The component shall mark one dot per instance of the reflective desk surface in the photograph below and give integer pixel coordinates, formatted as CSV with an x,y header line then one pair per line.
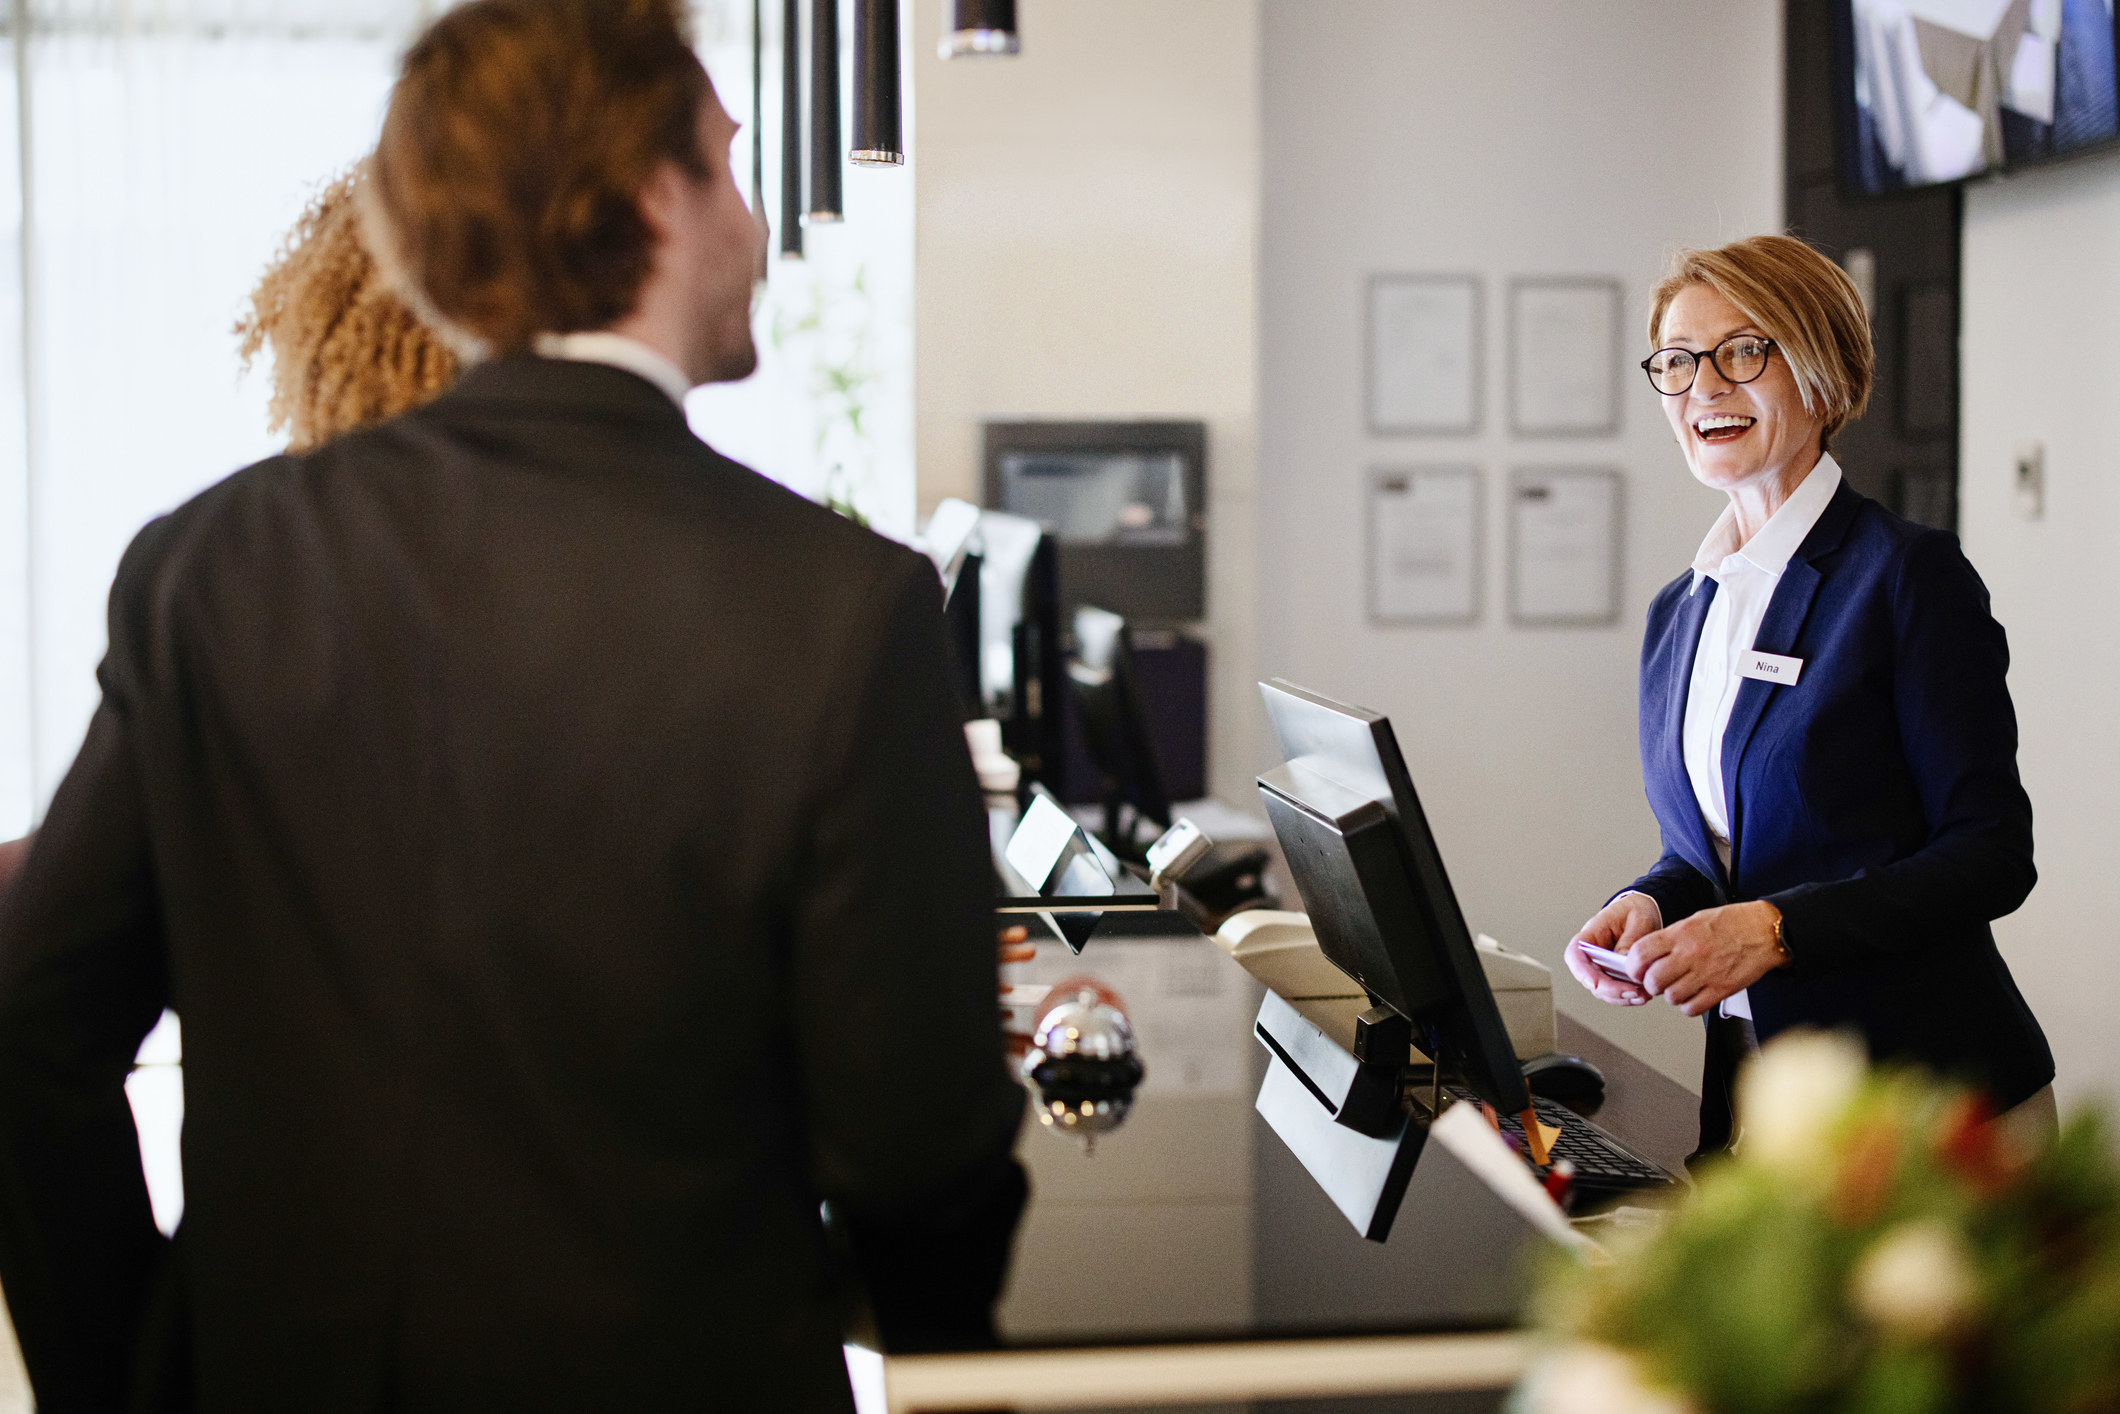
x,y
1193,1232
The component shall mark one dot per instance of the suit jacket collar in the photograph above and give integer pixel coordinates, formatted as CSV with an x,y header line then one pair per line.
x,y
1778,541
1832,527
524,382
619,351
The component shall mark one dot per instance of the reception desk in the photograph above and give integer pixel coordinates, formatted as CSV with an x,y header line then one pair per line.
x,y
1188,1260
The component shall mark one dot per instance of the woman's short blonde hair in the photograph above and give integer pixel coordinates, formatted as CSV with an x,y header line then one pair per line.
x,y
346,351
1802,301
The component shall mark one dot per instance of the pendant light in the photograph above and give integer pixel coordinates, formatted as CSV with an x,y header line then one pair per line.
x,y
825,204
879,139
791,130
974,27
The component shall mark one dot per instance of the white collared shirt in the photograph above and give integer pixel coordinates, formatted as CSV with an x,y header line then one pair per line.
x,y
619,351
1745,577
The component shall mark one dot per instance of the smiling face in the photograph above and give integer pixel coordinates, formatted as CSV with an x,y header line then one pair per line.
x,y
1736,435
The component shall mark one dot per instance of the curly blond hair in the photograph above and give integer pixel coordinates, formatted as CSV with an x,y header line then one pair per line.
x,y
346,351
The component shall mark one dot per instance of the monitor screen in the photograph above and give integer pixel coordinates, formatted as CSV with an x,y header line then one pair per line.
x,y
1947,89
1100,498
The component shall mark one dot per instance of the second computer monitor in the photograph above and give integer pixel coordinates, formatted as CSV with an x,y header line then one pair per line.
x,y
1372,879
1114,719
1020,672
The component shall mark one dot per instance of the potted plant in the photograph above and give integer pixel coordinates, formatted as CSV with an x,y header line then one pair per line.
x,y
1878,1243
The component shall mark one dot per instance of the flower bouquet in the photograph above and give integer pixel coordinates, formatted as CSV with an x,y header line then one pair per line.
x,y
1878,1243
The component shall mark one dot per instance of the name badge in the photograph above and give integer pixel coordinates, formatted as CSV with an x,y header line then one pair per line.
x,y
1770,667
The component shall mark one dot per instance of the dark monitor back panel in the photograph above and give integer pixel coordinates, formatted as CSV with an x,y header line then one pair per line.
x,y
1171,671
1127,502
1356,750
1110,709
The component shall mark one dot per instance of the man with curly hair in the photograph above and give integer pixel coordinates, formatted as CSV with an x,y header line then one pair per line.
x,y
557,840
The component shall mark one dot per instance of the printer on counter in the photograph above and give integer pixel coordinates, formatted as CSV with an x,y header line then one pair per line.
x,y
1280,950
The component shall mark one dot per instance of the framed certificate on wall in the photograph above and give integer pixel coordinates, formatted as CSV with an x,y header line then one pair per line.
x,y
1424,545
1564,357
1564,545
1424,354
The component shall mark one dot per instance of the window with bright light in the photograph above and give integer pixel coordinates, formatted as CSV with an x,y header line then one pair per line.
x,y
168,148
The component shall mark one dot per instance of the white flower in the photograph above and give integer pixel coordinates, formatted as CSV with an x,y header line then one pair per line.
x,y
1790,1098
1916,1280
1593,1379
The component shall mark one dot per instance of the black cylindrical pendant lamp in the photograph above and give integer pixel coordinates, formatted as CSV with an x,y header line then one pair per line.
x,y
791,130
879,138
972,27
824,113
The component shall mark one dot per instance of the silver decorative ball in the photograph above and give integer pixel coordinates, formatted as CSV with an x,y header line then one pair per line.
x,y
1084,1065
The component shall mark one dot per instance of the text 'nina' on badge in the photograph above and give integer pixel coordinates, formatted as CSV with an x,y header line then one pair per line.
x,y
1770,667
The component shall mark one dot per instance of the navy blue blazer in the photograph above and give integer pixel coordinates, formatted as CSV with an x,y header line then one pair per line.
x,y
1875,801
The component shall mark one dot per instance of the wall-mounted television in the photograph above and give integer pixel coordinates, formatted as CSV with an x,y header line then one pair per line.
x,y
1936,91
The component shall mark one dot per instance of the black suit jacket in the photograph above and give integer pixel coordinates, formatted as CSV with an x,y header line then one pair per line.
x,y
560,846
1874,801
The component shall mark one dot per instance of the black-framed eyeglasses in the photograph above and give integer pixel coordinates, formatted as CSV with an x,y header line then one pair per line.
x,y
1739,358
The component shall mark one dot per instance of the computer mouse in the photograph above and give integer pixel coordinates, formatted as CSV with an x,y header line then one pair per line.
x,y
1563,1078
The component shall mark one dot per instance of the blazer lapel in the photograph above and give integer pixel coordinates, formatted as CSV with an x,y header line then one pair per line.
x,y
1691,616
1784,620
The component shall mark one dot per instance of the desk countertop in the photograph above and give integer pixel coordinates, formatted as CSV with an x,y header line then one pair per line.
x,y
1193,1222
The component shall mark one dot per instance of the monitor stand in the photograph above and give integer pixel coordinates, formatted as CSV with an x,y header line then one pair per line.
x,y
1342,1115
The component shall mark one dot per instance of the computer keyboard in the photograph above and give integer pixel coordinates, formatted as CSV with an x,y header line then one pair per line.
x,y
1603,1165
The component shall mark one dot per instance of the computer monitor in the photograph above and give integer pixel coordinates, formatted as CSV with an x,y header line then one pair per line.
x,y
950,539
1372,880
1114,719
1019,643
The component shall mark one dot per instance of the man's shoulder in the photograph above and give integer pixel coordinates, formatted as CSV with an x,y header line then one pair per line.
x,y
793,546
816,541
165,542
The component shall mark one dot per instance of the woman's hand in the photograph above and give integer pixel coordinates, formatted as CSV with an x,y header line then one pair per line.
x,y
1700,961
1013,944
1618,925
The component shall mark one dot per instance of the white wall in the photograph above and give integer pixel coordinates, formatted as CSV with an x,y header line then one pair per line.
x,y
1532,137
1087,245
2041,291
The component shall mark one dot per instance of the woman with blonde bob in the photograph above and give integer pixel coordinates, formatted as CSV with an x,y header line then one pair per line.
x,y
1827,739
